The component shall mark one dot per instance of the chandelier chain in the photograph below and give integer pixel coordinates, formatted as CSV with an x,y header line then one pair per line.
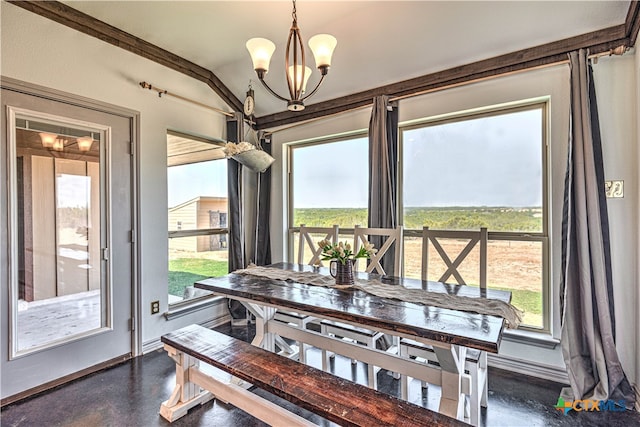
x,y
293,13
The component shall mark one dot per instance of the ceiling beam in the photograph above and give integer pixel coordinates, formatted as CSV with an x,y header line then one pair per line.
x,y
65,15
632,23
550,53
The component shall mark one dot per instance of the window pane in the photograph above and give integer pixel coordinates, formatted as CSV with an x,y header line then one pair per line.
x,y
481,172
197,199
516,266
187,265
412,253
330,183
198,195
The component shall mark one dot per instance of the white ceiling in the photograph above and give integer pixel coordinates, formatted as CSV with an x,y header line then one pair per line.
x,y
379,42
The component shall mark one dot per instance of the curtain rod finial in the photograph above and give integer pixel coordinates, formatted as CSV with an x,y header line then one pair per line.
x,y
618,50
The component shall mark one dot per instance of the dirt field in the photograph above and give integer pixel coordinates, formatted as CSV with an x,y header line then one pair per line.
x,y
519,267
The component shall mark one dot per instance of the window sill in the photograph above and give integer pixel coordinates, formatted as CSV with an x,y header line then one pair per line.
x,y
538,339
188,307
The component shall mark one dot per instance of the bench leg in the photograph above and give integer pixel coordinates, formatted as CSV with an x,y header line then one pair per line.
x,y
186,394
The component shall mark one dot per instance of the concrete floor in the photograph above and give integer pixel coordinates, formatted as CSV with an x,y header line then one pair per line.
x,y
129,395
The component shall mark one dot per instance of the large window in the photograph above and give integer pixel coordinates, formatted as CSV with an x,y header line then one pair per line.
x,y
329,184
483,170
197,196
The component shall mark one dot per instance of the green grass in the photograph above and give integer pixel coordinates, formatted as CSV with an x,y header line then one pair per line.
x,y
327,217
528,301
185,272
449,218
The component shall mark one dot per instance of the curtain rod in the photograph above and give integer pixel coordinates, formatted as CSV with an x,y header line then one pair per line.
x,y
615,51
161,92
620,50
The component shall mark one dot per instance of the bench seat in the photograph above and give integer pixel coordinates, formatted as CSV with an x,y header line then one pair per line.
x,y
331,397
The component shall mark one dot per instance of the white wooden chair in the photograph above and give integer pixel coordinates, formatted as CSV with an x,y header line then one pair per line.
x,y
475,365
476,360
306,240
434,237
391,237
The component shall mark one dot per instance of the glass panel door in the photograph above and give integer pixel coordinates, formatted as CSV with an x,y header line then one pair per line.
x,y
59,186
67,178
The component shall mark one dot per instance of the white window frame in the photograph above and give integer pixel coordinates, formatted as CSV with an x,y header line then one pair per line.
x,y
183,307
294,229
543,236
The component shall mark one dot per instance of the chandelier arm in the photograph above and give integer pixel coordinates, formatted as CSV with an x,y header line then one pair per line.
x,y
314,89
271,90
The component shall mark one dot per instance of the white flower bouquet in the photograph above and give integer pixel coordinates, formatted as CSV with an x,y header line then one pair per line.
x,y
342,251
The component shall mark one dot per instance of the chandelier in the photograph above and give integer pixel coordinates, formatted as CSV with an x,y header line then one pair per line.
x,y
322,46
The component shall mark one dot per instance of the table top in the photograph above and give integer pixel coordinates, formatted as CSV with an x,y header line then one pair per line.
x,y
358,307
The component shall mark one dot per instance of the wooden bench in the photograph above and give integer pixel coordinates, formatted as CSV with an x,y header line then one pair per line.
x,y
475,365
331,397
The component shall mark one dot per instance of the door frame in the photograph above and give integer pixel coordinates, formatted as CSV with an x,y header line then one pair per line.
x,y
133,116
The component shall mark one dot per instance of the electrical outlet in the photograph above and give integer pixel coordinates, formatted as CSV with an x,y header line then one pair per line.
x,y
155,307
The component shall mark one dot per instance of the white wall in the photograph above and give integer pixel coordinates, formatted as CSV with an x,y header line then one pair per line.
x,y
637,379
614,78
39,51
615,89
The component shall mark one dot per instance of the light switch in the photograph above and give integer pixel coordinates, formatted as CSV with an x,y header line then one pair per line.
x,y
614,189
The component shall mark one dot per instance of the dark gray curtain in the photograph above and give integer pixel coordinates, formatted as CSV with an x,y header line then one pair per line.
x,y
263,238
383,172
588,322
234,178
235,215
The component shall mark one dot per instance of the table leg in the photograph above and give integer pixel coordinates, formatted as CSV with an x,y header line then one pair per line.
x,y
263,315
451,362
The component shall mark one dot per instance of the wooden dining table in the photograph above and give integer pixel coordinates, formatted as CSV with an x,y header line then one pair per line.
x,y
450,332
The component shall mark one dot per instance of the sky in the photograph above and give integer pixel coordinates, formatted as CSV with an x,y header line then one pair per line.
x,y
331,175
186,182
489,161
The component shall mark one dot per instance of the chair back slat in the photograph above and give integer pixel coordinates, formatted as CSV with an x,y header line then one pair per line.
x,y
305,239
391,236
432,237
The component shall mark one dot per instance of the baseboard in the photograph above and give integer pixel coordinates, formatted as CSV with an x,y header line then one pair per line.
x,y
155,344
533,369
27,394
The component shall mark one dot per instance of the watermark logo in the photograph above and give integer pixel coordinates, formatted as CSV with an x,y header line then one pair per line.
x,y
589,405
